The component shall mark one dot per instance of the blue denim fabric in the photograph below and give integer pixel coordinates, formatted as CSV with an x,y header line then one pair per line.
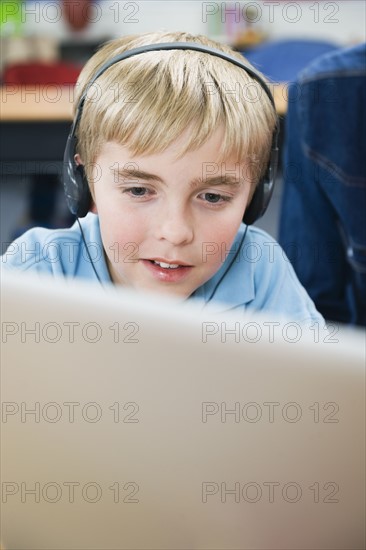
x,y
323,216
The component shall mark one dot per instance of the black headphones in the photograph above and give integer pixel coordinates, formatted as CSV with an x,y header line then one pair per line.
x,y
77,191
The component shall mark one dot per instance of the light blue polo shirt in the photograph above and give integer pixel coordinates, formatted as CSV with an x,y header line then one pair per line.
x,y
255,275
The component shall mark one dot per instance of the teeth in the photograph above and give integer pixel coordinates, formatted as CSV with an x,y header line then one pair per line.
x,y
166,266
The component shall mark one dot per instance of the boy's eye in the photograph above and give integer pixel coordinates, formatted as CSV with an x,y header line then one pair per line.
x,y
214,198
137,191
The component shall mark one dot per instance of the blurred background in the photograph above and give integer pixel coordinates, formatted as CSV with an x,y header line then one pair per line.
x,y
45,43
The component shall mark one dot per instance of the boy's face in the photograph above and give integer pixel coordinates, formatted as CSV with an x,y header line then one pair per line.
x,y
155,210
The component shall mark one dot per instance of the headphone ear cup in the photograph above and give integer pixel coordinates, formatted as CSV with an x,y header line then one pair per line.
x,y
78,196
264,190
85,198
253,211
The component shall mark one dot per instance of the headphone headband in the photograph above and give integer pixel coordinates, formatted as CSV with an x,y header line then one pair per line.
x,y
76,187
172,46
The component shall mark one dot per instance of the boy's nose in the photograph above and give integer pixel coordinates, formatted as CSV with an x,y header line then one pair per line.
x,y
174,226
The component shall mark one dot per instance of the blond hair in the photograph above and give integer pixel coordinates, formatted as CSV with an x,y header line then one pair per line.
x,y
146,102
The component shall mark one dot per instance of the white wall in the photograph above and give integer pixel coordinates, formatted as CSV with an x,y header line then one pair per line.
x,y
116,18
341,21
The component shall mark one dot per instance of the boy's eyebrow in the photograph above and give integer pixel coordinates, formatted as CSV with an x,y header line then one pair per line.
x,y
134,173
223,179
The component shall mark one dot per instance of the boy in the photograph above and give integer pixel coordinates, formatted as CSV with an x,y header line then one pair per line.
x,y
172,144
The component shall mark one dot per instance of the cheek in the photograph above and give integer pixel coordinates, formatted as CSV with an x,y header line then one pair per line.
x,y
120,228
226,226
216,247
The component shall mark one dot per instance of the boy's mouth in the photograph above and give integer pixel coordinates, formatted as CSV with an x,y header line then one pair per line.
x,y
166,265
168,271
169,264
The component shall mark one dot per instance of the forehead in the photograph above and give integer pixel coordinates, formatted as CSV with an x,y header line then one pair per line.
x,y
196,168
209,152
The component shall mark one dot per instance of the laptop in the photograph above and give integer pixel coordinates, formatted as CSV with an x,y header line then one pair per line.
x,y
129,421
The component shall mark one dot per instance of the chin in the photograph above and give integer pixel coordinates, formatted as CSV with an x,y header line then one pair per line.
x,y
170,291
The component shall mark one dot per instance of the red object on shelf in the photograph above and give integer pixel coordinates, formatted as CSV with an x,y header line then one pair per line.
x,y
77,13
41,73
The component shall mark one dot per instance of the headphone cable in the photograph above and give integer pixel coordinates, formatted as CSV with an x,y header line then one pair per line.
x,y
87,251
229,266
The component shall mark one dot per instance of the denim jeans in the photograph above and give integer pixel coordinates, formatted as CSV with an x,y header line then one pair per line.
x,y
323,214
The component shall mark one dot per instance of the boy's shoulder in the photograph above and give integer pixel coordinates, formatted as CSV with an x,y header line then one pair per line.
x,y
262,261
54,251
266,255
